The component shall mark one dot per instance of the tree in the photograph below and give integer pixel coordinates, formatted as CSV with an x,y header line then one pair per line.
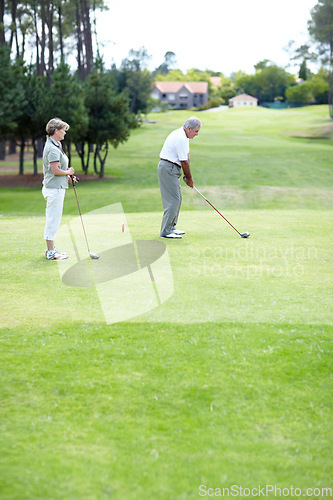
x,y
197,75
34,112
303,71
226,89
262,65
12,97
299,93
168,63
272,82
319,86
303,54
138,85
51,23
109,119
267,84
84,38
192,75
25,26
67,102
244,83
321,29
174,75
2,24
137,80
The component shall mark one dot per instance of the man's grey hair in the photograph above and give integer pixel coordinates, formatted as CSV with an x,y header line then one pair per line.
x,y
192,122
56,124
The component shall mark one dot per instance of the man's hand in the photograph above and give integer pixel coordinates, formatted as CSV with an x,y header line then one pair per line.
x,y
189,182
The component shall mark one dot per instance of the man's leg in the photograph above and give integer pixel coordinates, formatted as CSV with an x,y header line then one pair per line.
x,y
168,177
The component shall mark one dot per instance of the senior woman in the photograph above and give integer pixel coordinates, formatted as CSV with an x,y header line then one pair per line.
x,y
56,176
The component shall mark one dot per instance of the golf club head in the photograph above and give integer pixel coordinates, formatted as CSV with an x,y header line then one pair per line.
x,y
93,255
245,235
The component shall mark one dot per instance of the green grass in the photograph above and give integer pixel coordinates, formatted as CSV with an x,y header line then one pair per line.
x,y
155,411
228,382
255,158
282,273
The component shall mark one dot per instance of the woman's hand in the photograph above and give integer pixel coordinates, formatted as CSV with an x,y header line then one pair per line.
x,y
72,179
70,171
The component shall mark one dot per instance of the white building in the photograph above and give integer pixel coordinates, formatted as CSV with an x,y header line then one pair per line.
x,y
242,100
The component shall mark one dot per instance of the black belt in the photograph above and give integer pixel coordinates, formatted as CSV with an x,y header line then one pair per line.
x,y
173,163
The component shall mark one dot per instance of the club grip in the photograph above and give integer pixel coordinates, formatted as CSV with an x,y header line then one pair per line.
x,y
73,182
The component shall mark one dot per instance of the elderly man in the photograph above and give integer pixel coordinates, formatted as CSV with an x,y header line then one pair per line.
x,y
174,156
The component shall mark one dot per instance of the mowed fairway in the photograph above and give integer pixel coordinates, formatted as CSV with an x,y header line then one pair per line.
x,y
227,383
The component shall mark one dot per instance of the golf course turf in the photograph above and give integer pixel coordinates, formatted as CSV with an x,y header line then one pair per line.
x,y
226,383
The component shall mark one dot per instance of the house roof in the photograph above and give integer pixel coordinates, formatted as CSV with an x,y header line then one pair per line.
x,y
174,87
243,97
216,81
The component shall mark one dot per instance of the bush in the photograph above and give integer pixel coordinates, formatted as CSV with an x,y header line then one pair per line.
x,y
300,93
214,102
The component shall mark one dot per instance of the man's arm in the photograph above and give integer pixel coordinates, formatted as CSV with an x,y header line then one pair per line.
x,y
187,172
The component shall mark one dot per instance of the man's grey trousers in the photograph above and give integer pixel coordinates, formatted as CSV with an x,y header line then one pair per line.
x,y
168,178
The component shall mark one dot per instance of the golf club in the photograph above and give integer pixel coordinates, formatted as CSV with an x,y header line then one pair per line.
x,y
91,255
243,235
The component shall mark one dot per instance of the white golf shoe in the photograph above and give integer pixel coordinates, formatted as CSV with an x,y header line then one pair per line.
x,y
172,236
178,231
55,255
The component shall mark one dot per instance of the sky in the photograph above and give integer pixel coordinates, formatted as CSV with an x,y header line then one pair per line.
x,y
220,35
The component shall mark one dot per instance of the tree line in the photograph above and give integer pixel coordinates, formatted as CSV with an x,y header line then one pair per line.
x,y
103,105
271,83
53,29
101,110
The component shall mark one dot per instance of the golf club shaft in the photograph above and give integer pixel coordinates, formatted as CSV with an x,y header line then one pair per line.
x,y
78,206
197,190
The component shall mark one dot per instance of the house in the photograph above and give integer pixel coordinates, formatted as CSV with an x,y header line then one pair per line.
x,y
181,95
242,100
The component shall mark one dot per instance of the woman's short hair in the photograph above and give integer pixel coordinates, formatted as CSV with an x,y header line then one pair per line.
x,y
55,124
192,122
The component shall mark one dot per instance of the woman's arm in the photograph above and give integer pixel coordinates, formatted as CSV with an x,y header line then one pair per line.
x,y
54,165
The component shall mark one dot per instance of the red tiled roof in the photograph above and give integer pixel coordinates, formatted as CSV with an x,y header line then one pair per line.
x,y
243,97
216,81
174,87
